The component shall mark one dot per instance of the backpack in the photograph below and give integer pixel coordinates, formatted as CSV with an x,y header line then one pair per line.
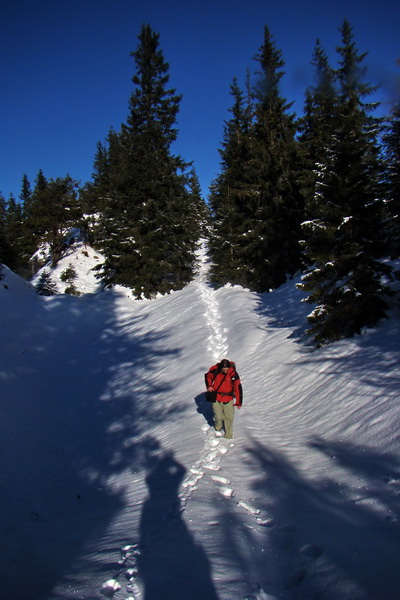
x,y
218,369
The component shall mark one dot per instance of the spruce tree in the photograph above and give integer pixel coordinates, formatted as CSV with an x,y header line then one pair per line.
x,y
15,235
35,211
256,201
273,249
199,212
26,193
3,210
344,237
392,146
317,130
146,229
7,253
95,194
28,240
45,285
68,276
55,208
232,194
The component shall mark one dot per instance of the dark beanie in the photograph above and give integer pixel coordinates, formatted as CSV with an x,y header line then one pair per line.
x,y
224,363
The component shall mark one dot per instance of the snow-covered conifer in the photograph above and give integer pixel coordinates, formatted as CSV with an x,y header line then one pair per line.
x,y
343,238
45,286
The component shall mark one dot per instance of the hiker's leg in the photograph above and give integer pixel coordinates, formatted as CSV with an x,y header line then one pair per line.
x,y
229,413
218,415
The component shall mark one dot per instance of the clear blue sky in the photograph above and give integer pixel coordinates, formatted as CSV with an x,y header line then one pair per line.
x,y
66,70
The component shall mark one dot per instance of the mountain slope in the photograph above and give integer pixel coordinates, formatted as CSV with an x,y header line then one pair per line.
x,y
114,484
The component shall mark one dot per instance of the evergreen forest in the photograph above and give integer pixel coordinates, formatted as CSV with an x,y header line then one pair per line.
x,y
316,194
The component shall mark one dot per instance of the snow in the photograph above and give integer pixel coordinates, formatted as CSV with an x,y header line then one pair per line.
x,y
83,259
114,484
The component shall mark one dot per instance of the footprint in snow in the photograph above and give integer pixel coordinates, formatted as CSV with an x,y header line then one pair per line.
x,y
209,461
226,492
391,480
109,588
250,509
129,560
259,594
263,521
224,489
219,479
214,448
312,550
296,579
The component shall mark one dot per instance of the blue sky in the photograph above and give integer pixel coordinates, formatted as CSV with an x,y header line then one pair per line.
x,y
66,70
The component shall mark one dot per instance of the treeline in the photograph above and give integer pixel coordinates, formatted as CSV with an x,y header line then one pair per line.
x,y
317,194
143,207
42,216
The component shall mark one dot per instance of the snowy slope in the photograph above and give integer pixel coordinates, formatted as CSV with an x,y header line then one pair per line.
x,y
79,256
113,483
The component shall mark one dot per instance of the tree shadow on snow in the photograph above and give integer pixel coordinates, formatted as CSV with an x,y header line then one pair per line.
x,y
171,564
78,381
332,540
283,308
378,349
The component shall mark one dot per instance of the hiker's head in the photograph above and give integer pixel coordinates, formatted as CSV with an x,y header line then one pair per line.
x,y
225,365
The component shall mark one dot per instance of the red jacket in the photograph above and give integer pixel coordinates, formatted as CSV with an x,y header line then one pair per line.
x,y
228,386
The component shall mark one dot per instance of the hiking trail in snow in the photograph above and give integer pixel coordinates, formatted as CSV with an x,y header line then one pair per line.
x,y
215,447
208,464
217,338
217,345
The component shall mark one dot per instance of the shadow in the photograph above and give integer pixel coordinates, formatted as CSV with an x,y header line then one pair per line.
x,y
76,379
171,564
378,348
284,308
251,566
205,409
333,538
367,462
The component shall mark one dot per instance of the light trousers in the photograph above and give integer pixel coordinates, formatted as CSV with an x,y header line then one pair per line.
x,y
223,416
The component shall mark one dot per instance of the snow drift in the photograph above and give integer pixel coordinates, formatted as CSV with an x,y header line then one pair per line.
x,y
113,483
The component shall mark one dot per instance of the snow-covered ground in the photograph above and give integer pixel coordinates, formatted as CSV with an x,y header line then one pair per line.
x,y
113,483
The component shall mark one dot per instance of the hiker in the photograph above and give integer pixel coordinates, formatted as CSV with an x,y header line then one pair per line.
x,y
223,379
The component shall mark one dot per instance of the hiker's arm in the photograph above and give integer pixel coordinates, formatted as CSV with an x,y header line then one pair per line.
x,y
238,391
209,381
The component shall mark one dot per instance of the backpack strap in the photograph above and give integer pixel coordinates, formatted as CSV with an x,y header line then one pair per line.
x,y
222,381
215,372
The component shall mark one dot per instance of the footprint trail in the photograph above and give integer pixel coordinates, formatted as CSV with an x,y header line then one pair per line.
x,y
208,464
217,339
214,447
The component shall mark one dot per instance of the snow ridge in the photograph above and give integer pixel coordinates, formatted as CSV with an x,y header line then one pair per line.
x,y
159,500
209,462
210,457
